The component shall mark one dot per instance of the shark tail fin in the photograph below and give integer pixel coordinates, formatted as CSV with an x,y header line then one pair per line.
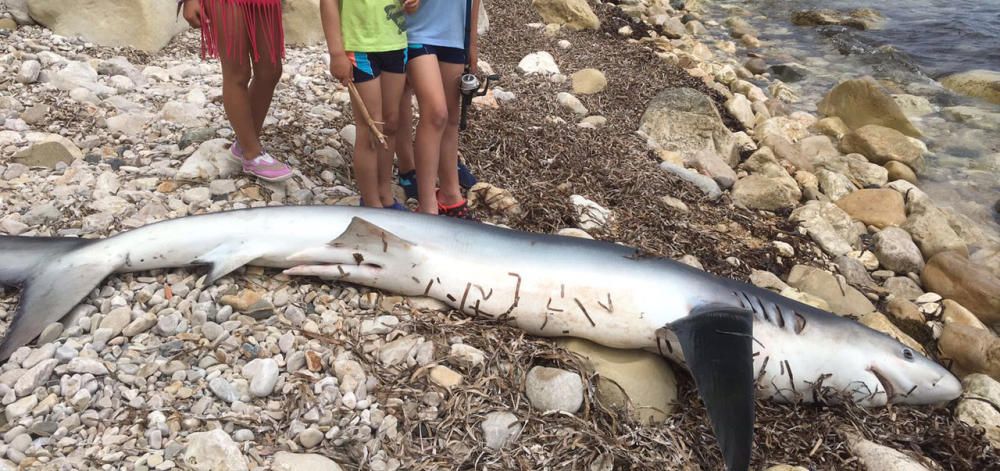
x,y
717,343
53,278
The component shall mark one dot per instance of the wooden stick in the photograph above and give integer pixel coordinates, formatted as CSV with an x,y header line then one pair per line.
x,y
367,117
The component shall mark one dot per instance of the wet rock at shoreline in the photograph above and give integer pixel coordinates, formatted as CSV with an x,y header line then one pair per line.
x,y
984,84
876,207
861,102
951,275
882,145
900,171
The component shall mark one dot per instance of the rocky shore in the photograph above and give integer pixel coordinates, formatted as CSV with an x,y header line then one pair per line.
x,y
613,120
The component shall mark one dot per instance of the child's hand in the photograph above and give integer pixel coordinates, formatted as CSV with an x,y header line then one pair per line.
x,y
411,6
192,12
341,68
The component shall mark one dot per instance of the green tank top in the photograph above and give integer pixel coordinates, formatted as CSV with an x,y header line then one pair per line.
x,y
373,25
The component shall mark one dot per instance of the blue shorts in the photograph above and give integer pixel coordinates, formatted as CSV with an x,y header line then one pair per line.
x,y
451,55
368,65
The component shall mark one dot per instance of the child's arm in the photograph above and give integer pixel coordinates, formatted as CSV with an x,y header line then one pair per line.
x,y
474,37
340,66
192,11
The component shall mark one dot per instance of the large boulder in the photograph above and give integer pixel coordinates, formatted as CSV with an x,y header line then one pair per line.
x,y
302,22
983,84
972,350
841,297
861,102
953,276
881,207
18,9
644,379
685,121
143,24
572,14
882,145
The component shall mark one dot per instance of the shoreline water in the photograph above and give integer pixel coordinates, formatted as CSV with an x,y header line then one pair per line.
x,y
962,133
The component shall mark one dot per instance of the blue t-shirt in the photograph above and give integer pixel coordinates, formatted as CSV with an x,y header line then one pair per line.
x,y
438,23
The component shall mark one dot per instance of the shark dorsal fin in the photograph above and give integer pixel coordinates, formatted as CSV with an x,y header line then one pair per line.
x,y
361,234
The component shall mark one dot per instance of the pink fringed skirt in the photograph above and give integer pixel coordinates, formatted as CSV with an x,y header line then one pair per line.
x,y
238,29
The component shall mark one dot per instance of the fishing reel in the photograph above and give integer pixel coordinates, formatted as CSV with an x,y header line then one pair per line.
x,y
469,86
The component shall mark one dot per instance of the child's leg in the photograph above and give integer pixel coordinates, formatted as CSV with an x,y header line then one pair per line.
x,y
266,74
366,165
404,139
425,75
392,85
234,46
451,193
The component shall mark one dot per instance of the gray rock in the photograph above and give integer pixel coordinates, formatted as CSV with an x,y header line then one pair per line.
x,y
35,377
842,298
116,320
500,429
20,408
704,183
571,103
834,185
854,272
554,389
310,437
38,355
83,365
263,374
214,451
712,165
684,120
140,325
833,229
28,73
903,287
896,251
224,389
767,193
285,461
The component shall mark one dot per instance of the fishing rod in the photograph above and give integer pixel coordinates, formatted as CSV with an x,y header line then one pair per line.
x,y
469,84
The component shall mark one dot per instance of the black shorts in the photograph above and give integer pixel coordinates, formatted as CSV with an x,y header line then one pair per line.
x,y
368,65
451,55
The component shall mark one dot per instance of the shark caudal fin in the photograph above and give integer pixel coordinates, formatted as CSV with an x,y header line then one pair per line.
x,y
53,278
717,342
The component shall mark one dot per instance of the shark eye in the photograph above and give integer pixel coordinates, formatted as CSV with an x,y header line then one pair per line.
x,y
908,354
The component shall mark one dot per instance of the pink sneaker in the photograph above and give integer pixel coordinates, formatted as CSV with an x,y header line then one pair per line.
x,y
236,150
267,168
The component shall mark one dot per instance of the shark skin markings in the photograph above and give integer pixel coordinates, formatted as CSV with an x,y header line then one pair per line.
x,y
738,341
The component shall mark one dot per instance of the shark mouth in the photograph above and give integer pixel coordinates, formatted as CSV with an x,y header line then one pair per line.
x,y
886,384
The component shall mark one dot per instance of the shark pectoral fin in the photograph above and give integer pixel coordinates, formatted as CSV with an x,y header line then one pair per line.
x,y
226,258
717,342
48,295
363,235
